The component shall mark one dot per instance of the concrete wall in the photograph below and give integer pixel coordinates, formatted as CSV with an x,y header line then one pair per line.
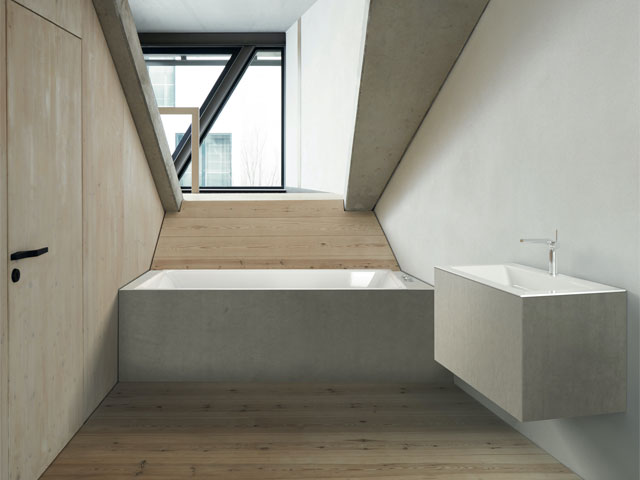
x,y
410,47
331,47
537,128
120,33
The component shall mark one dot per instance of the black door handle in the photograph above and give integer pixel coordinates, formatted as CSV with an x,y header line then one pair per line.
x,y
29,253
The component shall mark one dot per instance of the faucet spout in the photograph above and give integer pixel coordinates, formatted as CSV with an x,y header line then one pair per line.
x,y
552,244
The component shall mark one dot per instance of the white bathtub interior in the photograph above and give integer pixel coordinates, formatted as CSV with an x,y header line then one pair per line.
x,y
281,279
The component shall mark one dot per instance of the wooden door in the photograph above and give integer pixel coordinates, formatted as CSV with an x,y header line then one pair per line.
x,y
45,209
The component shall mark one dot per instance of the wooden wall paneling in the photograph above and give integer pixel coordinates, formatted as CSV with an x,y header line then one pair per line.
x,y
259,208
261,263
279,247
271,234
143,212
122,209
4,357
64,13
358,223
103,209
108,172
45,198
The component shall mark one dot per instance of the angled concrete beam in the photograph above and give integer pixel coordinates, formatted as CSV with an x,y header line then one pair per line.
x,y
410,48
122,38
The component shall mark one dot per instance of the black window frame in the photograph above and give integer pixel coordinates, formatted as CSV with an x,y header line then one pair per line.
x,y
242,47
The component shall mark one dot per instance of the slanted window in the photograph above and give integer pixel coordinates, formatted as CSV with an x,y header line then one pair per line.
x,y
253,113
183,81
240,94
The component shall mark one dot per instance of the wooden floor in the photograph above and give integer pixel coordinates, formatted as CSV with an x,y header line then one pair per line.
x,y
271,233
258,431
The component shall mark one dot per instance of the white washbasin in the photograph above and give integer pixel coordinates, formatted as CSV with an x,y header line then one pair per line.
x,y
528,281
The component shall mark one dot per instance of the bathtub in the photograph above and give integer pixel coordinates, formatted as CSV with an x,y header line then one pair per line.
x,y
274,280
277,326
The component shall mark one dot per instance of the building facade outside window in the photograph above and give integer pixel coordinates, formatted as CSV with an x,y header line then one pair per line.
x,y
163,79
215,161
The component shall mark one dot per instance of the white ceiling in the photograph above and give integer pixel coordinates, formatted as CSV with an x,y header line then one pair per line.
x,y
217,15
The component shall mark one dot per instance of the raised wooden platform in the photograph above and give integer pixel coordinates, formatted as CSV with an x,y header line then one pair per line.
x,y
298,431
271,233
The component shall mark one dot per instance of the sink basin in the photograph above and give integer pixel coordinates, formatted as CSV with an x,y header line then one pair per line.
x,y
527,281
537,346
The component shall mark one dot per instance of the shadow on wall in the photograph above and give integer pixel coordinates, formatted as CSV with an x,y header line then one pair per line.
x,y
492,85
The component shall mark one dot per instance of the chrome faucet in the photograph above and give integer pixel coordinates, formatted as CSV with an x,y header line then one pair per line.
x,y
552,244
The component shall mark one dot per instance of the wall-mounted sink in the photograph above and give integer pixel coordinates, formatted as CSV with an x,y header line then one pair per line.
x,y
527,281
538,346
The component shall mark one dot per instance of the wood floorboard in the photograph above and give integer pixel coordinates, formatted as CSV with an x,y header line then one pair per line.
x,y
298,431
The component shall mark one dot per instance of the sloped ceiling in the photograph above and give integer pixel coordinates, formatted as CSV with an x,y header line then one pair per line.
x,y
410,47
122,38
217,15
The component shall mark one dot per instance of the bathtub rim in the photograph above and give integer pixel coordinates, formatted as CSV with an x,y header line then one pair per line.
x,y
407,280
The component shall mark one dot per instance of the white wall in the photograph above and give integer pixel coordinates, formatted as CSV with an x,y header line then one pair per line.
x,y
537,128
331,47
292,107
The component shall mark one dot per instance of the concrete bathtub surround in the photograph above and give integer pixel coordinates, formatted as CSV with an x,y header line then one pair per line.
x,y
277,326
538,346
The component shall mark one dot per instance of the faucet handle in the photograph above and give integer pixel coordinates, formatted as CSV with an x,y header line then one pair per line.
x,y
553,245
547,241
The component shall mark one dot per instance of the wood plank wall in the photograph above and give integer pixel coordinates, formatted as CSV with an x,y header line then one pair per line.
x,y
44,67
66,14
4,351
266,233
121,210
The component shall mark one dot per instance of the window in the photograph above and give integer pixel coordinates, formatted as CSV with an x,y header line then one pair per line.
x,y
183,81
163,79
240,94
253,114
185,180
215,161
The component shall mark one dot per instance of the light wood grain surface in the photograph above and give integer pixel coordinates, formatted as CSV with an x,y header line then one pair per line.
x,y
271,234
298,431
103,210
45,210
80,184
4,350
143,213
66,14
121,208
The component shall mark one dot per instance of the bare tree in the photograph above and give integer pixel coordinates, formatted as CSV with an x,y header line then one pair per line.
x,y
257,169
